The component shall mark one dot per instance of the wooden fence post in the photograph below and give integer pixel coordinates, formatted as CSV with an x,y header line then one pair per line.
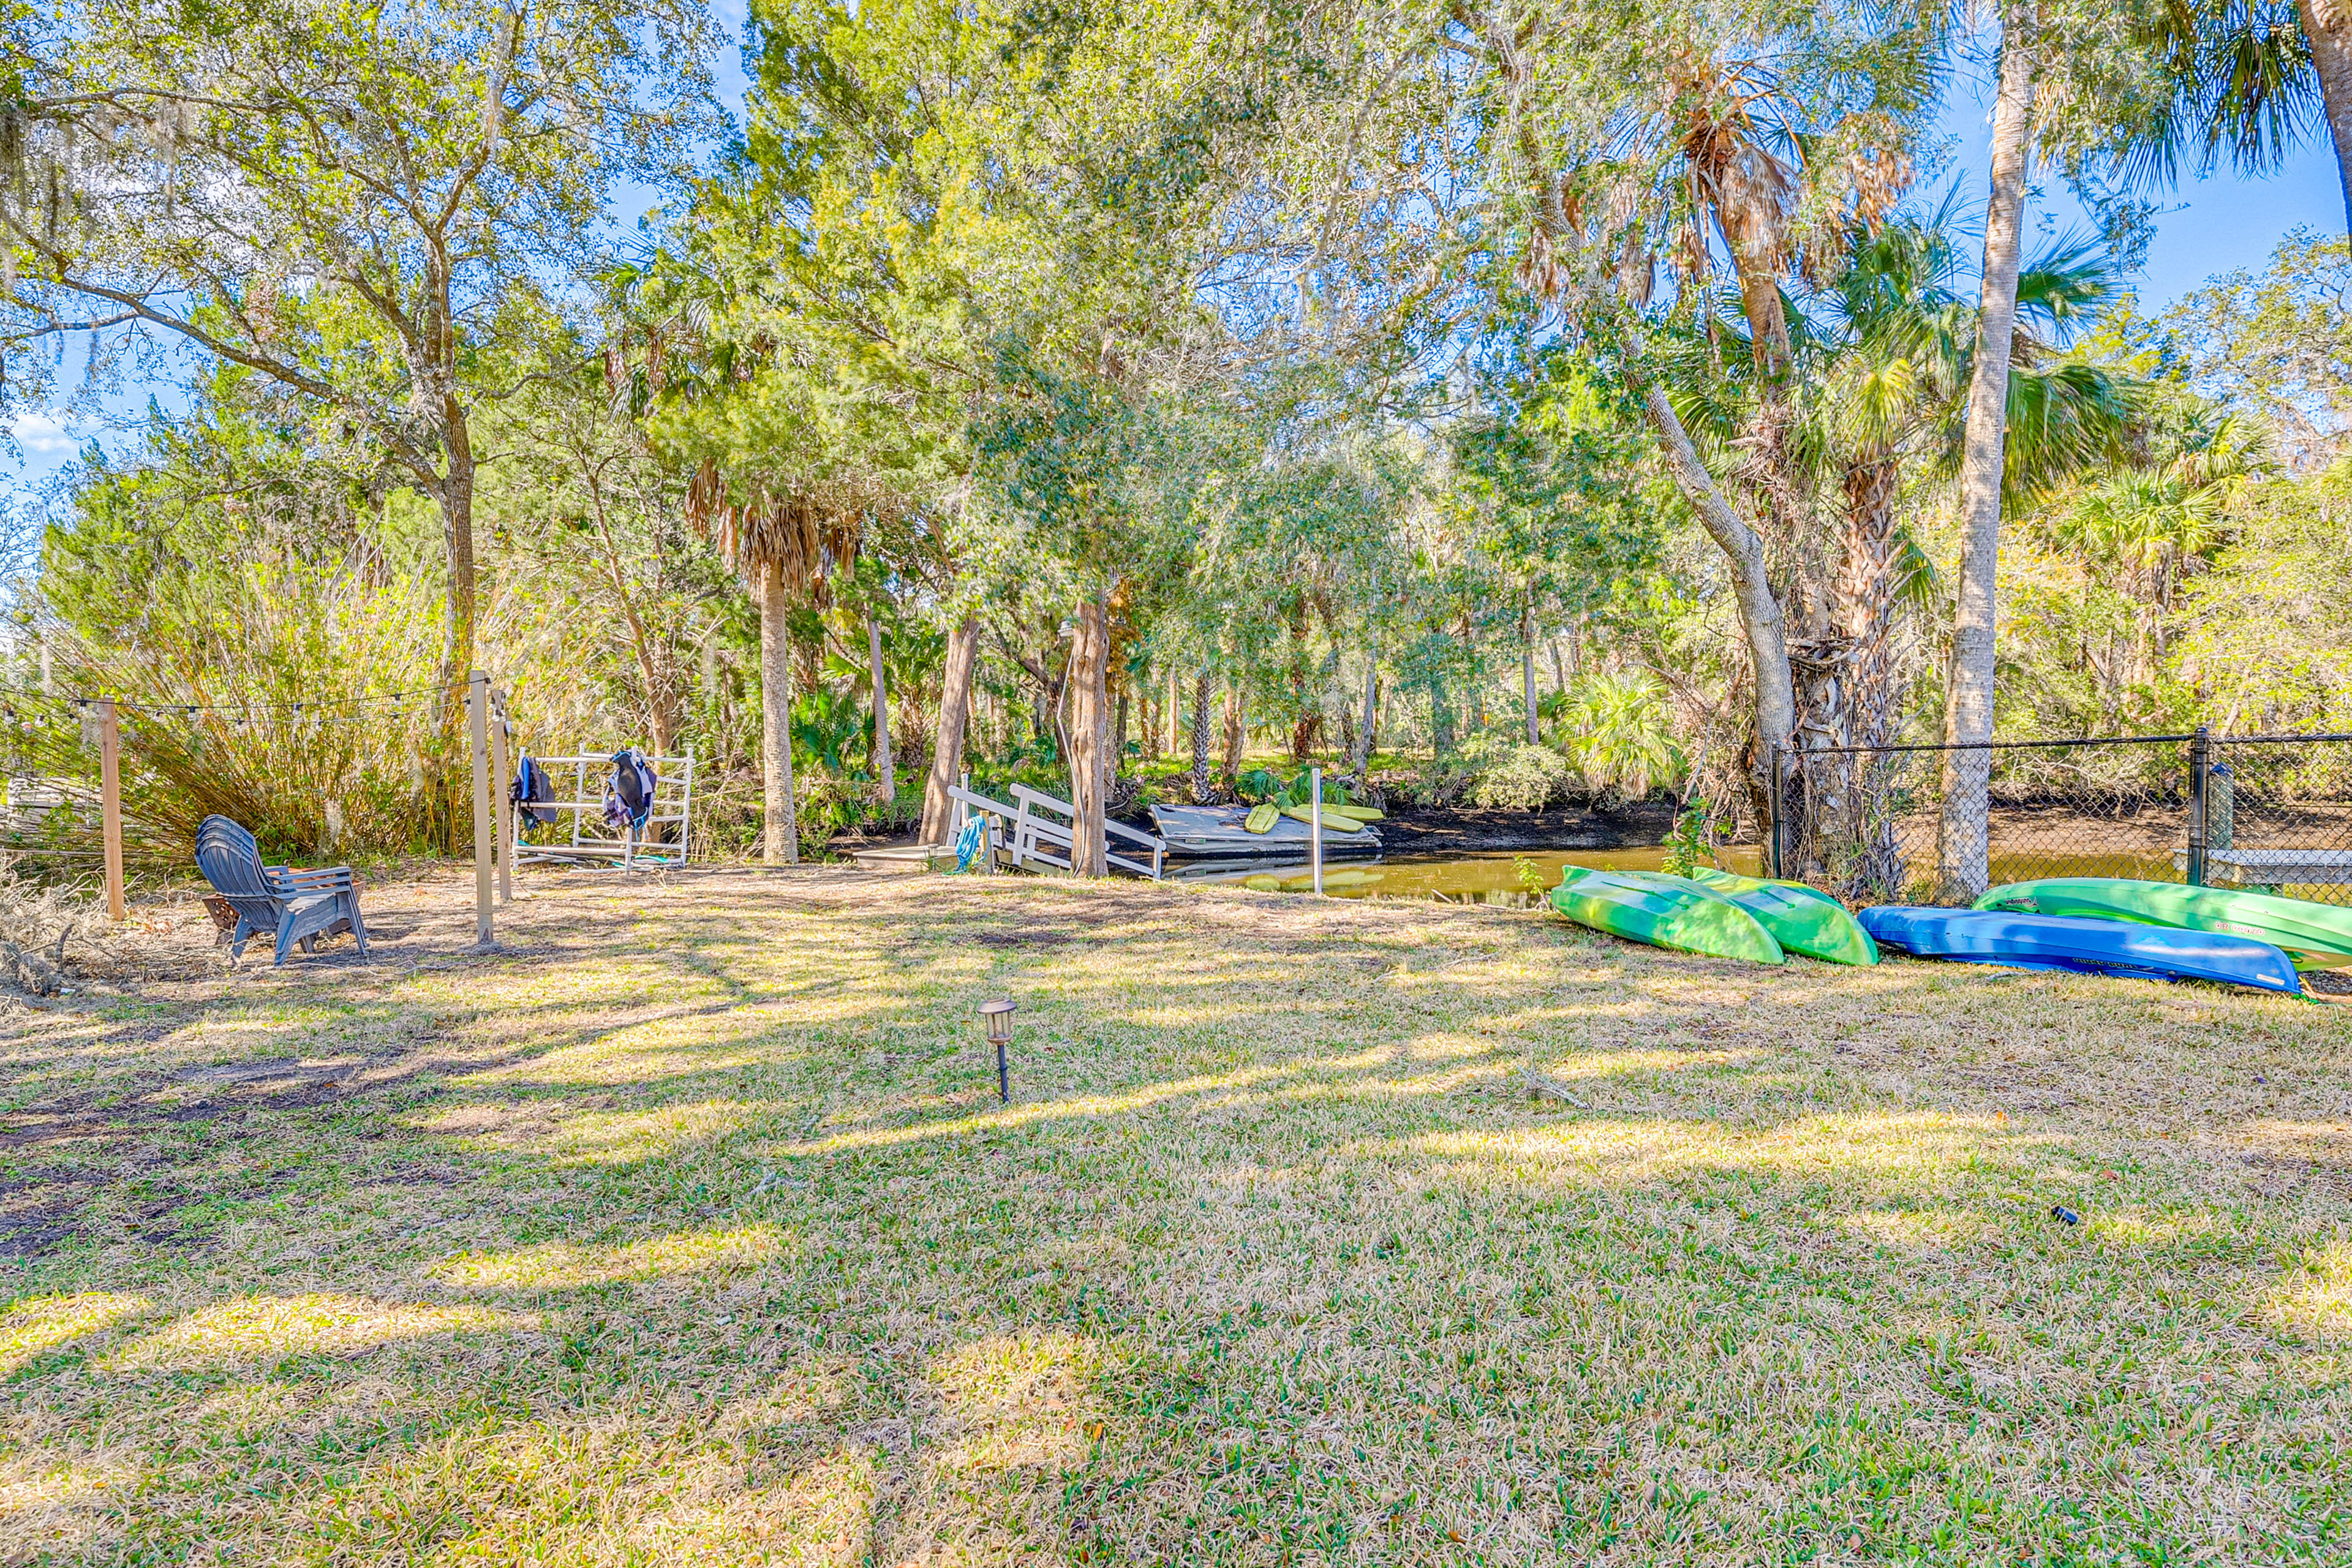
x,y
504,796
110,776
477,704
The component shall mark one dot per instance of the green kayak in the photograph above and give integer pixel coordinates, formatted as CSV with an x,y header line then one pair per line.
x,y
2315,935
1663,911
1803,919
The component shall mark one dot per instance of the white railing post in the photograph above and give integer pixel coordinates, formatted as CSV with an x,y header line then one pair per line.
x,y
1315,830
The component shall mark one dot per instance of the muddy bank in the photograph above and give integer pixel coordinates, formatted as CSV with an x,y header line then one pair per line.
x,y
1442,830
1450,830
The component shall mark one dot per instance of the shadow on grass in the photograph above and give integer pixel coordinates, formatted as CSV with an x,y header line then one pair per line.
x,y
1272,1256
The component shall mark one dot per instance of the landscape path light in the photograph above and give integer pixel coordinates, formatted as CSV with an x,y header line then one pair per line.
x,y
999,1014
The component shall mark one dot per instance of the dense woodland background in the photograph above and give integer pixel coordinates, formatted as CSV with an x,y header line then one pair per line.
x,y
1133,397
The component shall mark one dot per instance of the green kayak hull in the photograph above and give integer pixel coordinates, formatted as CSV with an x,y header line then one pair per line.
x,y
2315,935
1803,919
1637,907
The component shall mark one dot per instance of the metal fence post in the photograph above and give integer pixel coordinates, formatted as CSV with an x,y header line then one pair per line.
x,y
1772,808
2201,762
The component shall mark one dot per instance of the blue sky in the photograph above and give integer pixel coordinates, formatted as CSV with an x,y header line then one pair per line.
x,y
2213,226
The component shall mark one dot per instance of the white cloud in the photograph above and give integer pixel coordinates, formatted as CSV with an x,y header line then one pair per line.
x,y
46,442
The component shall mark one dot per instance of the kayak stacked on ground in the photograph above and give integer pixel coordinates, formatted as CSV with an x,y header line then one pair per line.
x,y
2315,935
1803,919
2082,945
1662,912
1222,833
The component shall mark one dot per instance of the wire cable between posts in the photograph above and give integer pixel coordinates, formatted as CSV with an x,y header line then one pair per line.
x,y
295,705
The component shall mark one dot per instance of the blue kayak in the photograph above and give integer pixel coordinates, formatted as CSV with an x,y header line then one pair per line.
x,y
2085,946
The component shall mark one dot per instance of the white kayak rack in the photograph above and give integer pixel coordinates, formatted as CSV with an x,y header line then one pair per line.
x,y
589,842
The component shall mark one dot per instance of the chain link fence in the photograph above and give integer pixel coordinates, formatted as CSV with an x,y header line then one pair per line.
x,y
2263,813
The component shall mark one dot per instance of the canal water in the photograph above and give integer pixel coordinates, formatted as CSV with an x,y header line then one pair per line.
x,y
1493,879
1486,878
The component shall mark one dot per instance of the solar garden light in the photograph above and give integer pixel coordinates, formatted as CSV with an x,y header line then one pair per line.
x,y
999,1014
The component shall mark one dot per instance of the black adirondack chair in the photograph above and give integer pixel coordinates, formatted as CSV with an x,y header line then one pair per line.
x,y
292,905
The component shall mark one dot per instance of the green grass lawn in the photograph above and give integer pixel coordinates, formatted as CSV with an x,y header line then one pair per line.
x,y
689,1230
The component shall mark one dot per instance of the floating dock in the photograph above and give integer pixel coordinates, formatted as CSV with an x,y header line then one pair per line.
x,y
1215,833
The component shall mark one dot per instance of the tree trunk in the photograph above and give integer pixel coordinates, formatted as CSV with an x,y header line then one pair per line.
x,y
1528,676
1175,714
1865,600
885,779
1769,466
658,711
1362,761
783,837
1306,728
955,710
1965,844
1234,733
446,782
1759,611
1089,721
2327,27
1201,738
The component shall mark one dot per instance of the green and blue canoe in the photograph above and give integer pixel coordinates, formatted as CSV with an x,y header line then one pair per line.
x,y
1662,912
1802,918
2315,935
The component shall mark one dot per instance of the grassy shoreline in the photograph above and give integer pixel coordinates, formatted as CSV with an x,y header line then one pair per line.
x,y
689,1228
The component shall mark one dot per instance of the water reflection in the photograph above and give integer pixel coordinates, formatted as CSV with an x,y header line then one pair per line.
x,y
1493,879
1487,878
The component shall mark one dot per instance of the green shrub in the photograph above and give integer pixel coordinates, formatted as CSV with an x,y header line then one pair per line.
x,y
1693,842
1521,777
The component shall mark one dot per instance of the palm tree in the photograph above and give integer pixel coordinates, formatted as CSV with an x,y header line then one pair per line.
x,y
1903,369
2249,80
2145,525
788,547
1964,841
1899,357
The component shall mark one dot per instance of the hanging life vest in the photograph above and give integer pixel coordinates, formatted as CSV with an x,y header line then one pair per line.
x,y
632,789
531,788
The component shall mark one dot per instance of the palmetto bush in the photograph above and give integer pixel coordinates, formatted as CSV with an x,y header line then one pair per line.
x,y
1614,731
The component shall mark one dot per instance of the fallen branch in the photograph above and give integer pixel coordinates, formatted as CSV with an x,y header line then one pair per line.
x,y
1543,1086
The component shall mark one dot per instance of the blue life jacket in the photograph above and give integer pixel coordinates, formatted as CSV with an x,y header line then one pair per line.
x,y
632,786
530,788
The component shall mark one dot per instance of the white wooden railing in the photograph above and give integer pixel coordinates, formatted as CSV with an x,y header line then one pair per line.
x,y
1030,834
